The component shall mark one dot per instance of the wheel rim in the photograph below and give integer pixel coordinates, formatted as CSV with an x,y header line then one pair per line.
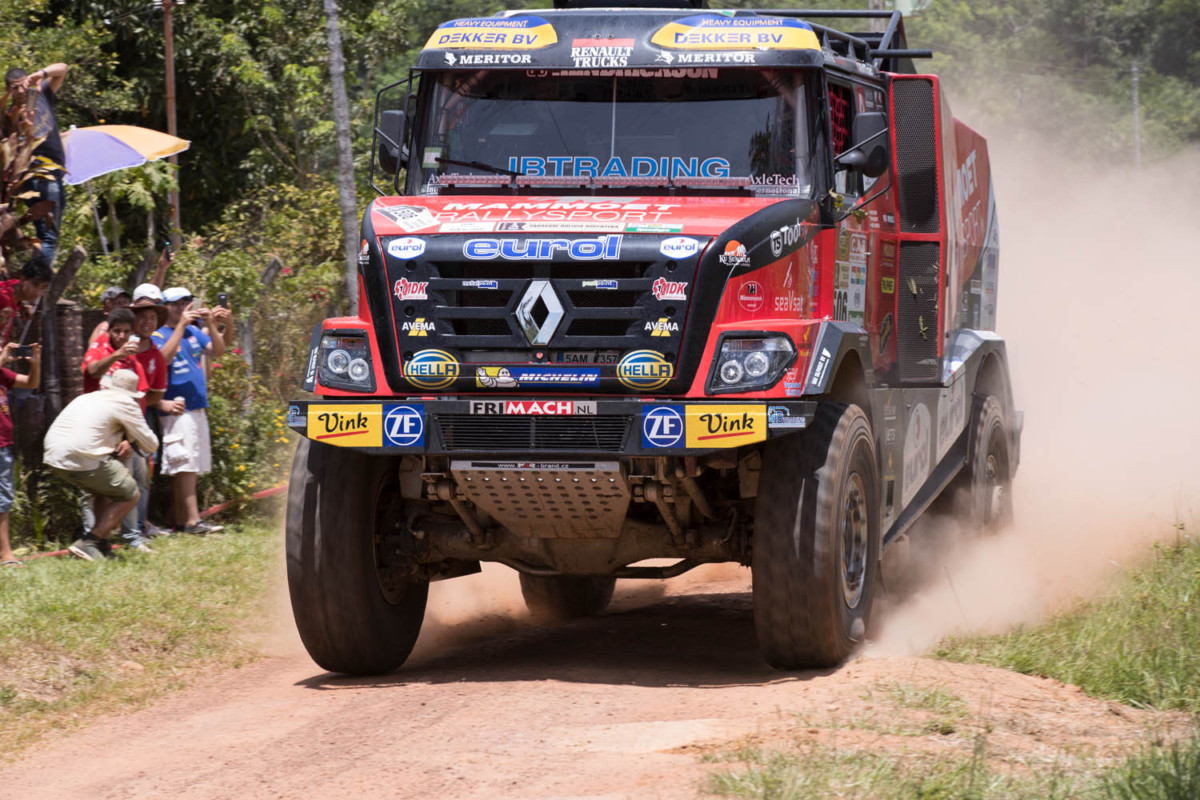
x,y
854,538
993,485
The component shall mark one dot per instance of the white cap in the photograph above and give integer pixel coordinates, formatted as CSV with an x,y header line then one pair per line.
x,y
123,380
148,290
175,293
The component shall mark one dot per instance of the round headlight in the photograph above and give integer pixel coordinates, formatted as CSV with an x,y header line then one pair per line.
x,y
338,362
731,372
359,371
757,364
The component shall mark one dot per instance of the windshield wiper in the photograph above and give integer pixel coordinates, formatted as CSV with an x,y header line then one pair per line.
x,y
479,165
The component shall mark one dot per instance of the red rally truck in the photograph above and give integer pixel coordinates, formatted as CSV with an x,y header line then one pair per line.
x,y
646,284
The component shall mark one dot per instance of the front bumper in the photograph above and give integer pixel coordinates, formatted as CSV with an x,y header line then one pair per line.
x,y
521,426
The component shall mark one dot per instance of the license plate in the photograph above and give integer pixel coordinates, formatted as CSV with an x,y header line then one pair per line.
x,y
588,357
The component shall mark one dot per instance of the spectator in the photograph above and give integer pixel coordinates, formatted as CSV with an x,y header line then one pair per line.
x,y
110,298
148,290
113,352
186,446
148,317
18,296
8,379
85,446
46,82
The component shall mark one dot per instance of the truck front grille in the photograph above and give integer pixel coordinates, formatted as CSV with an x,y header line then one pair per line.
x,y
492,434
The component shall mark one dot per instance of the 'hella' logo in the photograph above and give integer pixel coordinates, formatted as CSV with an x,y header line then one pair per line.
x,y
592,249
679,247
644,370
406,247
432,369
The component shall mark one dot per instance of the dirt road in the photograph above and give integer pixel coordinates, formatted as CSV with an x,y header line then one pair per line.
x,y
619,706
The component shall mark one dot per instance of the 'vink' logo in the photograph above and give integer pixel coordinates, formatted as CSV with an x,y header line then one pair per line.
x,y
591,249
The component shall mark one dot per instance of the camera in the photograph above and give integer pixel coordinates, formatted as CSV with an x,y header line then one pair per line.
x,y
23,351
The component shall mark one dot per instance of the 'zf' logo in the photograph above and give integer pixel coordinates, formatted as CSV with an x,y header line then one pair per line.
x,y
404,426
662,426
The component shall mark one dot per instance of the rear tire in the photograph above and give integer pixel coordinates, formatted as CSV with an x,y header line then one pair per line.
x,y
559,598
816,544
987,478
352,617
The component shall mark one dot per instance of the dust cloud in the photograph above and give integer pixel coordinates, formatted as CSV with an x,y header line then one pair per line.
x,y
1099,280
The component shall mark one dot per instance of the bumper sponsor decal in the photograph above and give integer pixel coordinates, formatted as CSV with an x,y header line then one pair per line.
x,y
725,426
662,426
781,417
345,425
404,426
525,377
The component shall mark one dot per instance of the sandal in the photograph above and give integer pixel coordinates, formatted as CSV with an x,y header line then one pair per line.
x,y
12,563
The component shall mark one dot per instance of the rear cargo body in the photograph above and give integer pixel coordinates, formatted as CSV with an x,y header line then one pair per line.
x,y
639,275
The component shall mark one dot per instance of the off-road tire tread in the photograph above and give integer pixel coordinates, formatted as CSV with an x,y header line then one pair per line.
x,y
797,601
985,408
343,619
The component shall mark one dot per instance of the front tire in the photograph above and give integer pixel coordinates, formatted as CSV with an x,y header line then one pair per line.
x,y
816,542
987,477
559,598
352,617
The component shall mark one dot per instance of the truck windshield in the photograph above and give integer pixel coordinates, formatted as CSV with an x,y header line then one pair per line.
x,y
742,129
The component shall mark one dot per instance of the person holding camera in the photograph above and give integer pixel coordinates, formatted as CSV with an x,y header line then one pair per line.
x,y
18,296
187,449
31,354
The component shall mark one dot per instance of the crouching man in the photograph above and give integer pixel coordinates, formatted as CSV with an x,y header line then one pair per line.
x,y
85,446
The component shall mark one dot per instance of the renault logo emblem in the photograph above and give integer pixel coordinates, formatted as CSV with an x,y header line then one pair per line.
x,y
539,312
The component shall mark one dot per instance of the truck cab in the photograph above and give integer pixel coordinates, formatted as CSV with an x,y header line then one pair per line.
x,y
653,283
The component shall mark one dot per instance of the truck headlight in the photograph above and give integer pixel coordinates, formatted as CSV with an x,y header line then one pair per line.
x,y
345,362
750,361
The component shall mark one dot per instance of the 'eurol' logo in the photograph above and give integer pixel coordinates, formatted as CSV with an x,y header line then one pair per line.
x,y
590,249
679,247
644,370
432,369
406,247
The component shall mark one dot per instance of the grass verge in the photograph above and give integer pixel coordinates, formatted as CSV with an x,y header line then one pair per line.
x,y
1139,645
80,639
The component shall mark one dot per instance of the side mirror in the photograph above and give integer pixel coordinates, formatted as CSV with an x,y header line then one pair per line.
x,y
869,153
392,153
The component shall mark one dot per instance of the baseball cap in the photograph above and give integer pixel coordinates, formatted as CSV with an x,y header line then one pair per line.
x,y
123,380
112,293
175,294
147,290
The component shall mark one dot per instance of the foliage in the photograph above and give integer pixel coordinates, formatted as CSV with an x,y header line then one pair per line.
x,y
81,639
1157,773
1137,645
46,511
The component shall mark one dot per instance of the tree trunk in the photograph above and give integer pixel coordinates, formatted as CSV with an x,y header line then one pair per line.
x,y
341,122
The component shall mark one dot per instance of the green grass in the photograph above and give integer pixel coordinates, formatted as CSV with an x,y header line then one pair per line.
x,y
79,639
1139,645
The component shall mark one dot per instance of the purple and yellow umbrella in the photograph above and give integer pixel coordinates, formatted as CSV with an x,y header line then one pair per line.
x,y
100,149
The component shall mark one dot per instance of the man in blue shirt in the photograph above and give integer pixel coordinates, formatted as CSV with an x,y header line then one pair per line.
x,y
186,448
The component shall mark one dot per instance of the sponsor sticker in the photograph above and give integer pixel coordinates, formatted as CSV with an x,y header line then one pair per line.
x,y
653,228
725,426
404,426
345,425
662,327
887,285
418,327
364,254
295,419
524,377
561,226
600,284
467,227
644,370
679,247
432,369
411,290
556,408
781,417
485,59
568,166
917,451
410,218
714,32
601,53
525,32
586,249
480,284
818,375
750,296
662,426
885,333
406,247
664,289
735,255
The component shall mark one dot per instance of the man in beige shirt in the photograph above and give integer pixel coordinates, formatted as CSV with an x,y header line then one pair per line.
x,y
85,446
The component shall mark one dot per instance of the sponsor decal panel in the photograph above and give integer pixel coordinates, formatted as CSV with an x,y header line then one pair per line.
x,y
782,417
411,290
917,455
735,255
364,254
750,296
418,327
662,327
653,227
406,247
567,166
586,249
600,284
679,247
524,377
644,370
715,32
432,369
558,408
404,425
480,284
818,375
662,426
664,289
952,415
485,59
725,425
601,53
295,418
523,32
346,425
410,218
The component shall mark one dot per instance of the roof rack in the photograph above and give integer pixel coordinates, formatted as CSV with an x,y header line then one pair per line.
x,y
888,51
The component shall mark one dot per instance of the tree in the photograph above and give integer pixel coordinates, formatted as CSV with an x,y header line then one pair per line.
x,y
345,173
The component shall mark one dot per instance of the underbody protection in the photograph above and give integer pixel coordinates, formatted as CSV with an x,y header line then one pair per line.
x,y
646,284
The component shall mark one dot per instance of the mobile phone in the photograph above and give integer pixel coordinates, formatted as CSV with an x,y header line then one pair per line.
x,y
23,351
223,300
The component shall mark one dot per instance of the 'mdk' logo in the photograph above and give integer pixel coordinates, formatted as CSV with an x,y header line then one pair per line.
x,y
644,370
432,369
